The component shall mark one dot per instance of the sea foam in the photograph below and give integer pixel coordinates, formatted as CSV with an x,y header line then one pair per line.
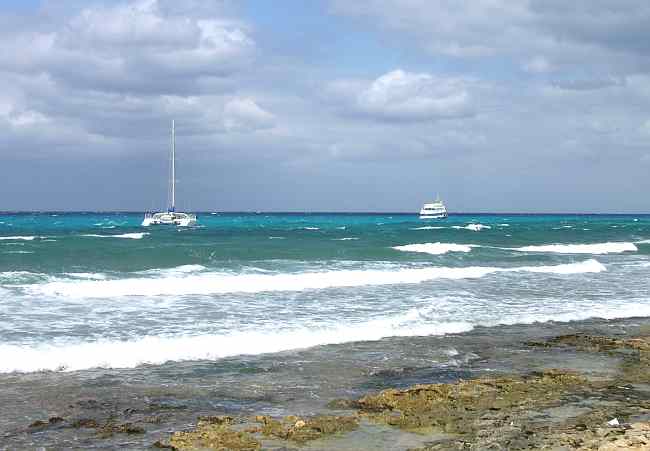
x,y
434,248
16,238
596,248
133,236
473,227
206,283
71,356
158,350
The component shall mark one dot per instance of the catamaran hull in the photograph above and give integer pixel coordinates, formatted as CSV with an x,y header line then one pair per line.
x,y
179,223
170,219
433,216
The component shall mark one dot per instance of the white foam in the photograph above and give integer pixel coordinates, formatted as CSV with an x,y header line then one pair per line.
x,y
86,275
15,238
349,238
133,236
72,356
311,228
218,283
429,228
277,238
177,270
473,227
435,248
643,242
596,248
157,350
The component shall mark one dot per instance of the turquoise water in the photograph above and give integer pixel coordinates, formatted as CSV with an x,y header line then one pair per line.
x,y
79,291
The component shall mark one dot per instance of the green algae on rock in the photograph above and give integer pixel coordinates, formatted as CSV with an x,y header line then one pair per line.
x,y
301,430
454,407
214,437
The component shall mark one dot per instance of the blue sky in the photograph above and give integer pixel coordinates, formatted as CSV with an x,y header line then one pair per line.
x,y
372,105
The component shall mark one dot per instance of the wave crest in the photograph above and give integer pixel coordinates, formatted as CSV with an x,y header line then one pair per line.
x,y
207,283
434,248
596,248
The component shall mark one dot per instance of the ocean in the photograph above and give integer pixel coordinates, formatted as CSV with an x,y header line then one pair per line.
x,y
105,321
82,291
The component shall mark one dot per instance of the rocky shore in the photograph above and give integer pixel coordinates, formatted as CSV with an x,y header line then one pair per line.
x,y
557,409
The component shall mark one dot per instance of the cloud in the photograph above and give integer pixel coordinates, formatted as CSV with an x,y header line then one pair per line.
x,y
597,35
131,47
406,96
245,114
538,65
589,84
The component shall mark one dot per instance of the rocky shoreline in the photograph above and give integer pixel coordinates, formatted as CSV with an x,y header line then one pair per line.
x,y
555,409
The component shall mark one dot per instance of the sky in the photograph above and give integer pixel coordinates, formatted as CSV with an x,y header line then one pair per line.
x,y
331,105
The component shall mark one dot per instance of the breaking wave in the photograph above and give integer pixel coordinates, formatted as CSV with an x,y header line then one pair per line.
x,y
597,248
473,227
16,238
72,356
434,248
205,283
158,350
133,236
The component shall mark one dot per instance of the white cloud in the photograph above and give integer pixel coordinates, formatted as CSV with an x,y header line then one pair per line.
x,y
538,65
245,114
407,96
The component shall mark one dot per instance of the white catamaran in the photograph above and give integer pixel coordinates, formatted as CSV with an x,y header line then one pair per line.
x,y
171,216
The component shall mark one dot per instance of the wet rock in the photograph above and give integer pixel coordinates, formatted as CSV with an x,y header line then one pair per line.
x,y
343,404
162,445
218,420
305,429
38,424
214,437
464,407
84,423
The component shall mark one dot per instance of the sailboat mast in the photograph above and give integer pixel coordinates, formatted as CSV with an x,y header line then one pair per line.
x,y
173,167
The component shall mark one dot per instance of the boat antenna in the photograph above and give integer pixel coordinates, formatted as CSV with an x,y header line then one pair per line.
x,y
173,206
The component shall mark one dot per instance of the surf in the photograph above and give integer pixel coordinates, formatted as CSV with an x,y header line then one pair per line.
x,y
210,282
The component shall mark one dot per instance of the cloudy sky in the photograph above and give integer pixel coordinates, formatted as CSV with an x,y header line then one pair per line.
x,y
370,105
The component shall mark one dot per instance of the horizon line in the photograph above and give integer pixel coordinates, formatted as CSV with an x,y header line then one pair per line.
x,y
325,212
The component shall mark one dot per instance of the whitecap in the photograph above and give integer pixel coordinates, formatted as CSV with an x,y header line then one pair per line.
x,y
349,238
473,227
75,356
206,282
434,248
15,238
133,236
595,248
429,228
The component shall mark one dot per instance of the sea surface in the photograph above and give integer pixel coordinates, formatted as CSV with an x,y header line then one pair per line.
x,y
82,291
